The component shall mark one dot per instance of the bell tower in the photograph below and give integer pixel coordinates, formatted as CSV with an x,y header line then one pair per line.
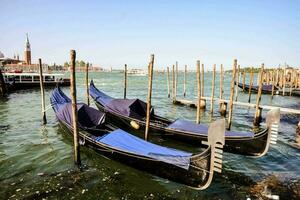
x,y
27,51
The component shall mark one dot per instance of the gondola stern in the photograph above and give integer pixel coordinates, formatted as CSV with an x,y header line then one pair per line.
x,y
272,123
216,142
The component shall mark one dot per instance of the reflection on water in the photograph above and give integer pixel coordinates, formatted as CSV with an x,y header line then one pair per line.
x,y
37,162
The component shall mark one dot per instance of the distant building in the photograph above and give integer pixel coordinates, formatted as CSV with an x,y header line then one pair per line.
x,y
12,64
27,52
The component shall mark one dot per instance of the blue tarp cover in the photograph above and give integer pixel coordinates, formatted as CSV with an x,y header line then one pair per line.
x,y
199,129
126,142
134,108
88,117
99,96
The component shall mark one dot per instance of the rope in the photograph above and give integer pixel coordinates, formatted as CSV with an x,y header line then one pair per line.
x,y
48,107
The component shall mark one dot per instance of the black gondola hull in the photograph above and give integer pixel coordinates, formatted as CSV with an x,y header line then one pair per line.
x,y
251,146
193,177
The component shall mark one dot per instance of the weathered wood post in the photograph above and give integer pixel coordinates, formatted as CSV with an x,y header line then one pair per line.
x,y
232,93
237,82
42,92
244,79
222,105
221,82
277,77
258,110
198,92
87,92
184,81
150,77
202,101
74,108
273,84
173,84
125,81
213,89
2,84
176,80
284,81
250,85
168,81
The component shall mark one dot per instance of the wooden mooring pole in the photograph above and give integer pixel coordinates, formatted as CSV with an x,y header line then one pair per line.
x,y
168,81
42,92
250,85
173,83
237,82
222,105
284,81
221,82
198,92
184,81
125,81
202,101
273,83
74,109
213,89
2,84
176,80
258,110
87,92
150,70
244,79
232,93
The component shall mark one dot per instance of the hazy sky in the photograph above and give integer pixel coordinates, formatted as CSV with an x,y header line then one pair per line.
x,y
112,33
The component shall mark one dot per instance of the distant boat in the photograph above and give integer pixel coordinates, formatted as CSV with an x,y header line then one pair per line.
x,y
193,170
19,80
137,72
267,89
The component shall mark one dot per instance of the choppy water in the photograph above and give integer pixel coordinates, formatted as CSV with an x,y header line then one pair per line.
x,y
36,161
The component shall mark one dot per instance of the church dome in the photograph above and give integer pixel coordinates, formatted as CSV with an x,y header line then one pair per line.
x,y
1,55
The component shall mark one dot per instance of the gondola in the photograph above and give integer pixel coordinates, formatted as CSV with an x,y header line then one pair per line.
x,y
130,113
193,170
267,89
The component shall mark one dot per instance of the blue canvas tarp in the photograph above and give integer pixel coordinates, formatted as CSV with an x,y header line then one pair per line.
x,y
134,108
199,129
98,95
126,142
58,98
87,117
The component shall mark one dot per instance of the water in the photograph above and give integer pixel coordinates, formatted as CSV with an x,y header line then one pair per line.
x,y
36,161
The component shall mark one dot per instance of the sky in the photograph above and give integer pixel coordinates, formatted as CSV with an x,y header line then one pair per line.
x,y
112,33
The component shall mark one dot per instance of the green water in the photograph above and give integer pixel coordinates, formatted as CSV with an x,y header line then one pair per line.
x,y
36,161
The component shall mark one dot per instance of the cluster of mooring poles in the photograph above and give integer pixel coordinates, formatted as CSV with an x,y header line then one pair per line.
x,y
277,80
